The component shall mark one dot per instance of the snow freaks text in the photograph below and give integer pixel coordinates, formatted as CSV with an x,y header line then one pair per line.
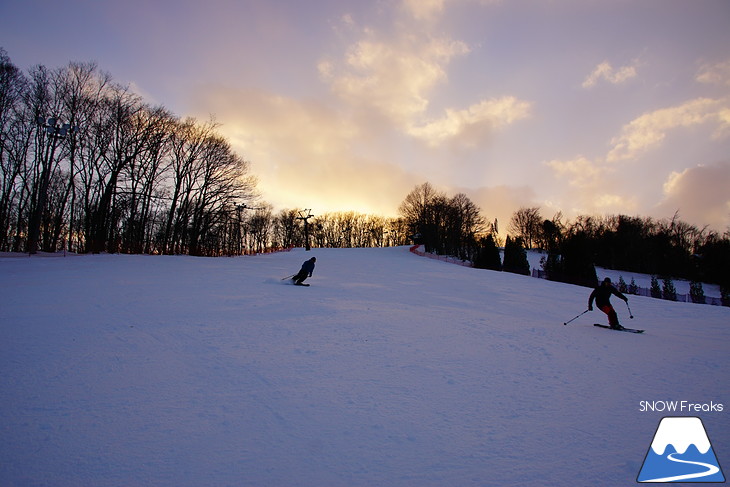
x,y
680,407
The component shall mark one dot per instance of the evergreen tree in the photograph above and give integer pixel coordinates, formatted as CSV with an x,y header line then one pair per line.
x,y
487,255
553,266
515,257
714,262
577,261
696,292
633,288
622,287
668,291
656,291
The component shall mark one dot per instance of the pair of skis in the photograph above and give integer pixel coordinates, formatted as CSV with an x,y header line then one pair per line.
x,y
628,330
291,277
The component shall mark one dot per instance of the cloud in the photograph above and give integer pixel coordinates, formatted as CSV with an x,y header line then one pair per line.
x,y
700,194
471,125
594,184
430,10
580,172
606,72
357,146
715,74
649,130
393,78
424,9
591,187
396,79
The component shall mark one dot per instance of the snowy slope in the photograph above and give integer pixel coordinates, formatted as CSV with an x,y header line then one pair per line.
x,y
390,370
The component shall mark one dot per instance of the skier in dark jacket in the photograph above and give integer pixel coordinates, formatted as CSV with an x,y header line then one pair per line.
x,y
305,271
602,294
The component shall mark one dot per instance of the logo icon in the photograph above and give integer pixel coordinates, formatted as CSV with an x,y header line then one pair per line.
x,y
680,452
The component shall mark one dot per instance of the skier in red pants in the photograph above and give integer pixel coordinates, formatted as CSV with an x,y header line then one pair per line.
x,y
602,294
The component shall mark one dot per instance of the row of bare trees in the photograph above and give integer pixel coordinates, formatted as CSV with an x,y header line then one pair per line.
x,y
87,165
263,230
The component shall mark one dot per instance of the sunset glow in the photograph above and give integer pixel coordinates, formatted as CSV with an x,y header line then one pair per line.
x,y
576,106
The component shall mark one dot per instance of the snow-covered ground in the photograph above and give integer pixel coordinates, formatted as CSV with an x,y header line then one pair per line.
x,y
390,370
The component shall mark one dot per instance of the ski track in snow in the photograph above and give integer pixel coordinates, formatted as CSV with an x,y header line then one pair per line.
x,y
390,369
711,470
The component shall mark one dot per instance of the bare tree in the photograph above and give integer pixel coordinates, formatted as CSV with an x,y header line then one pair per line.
x,y
525,224
466,222
187,145
143,177
121,138
43,104
287,228
260,226
221,182
415,206
14,143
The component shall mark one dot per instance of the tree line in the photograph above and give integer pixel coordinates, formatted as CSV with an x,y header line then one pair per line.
x,y
665,248
289,228
87,165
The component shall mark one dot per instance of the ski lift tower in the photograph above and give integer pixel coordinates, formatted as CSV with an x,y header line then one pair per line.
x,y
51,133
305,216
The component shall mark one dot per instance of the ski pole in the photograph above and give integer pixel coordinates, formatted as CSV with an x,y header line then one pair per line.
x,y
630,314
289,277
584,312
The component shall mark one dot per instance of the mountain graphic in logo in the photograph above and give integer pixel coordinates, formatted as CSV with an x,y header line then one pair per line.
x,y
680,452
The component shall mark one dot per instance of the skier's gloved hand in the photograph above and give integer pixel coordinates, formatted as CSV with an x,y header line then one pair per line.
x,y
590,308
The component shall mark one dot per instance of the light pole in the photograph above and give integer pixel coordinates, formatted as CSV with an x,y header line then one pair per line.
x,y
55,129
55,133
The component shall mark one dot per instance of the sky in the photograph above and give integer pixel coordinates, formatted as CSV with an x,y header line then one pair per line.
x,y
579,106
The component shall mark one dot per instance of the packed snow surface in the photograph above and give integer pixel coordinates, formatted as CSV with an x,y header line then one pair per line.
x,y
389,370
